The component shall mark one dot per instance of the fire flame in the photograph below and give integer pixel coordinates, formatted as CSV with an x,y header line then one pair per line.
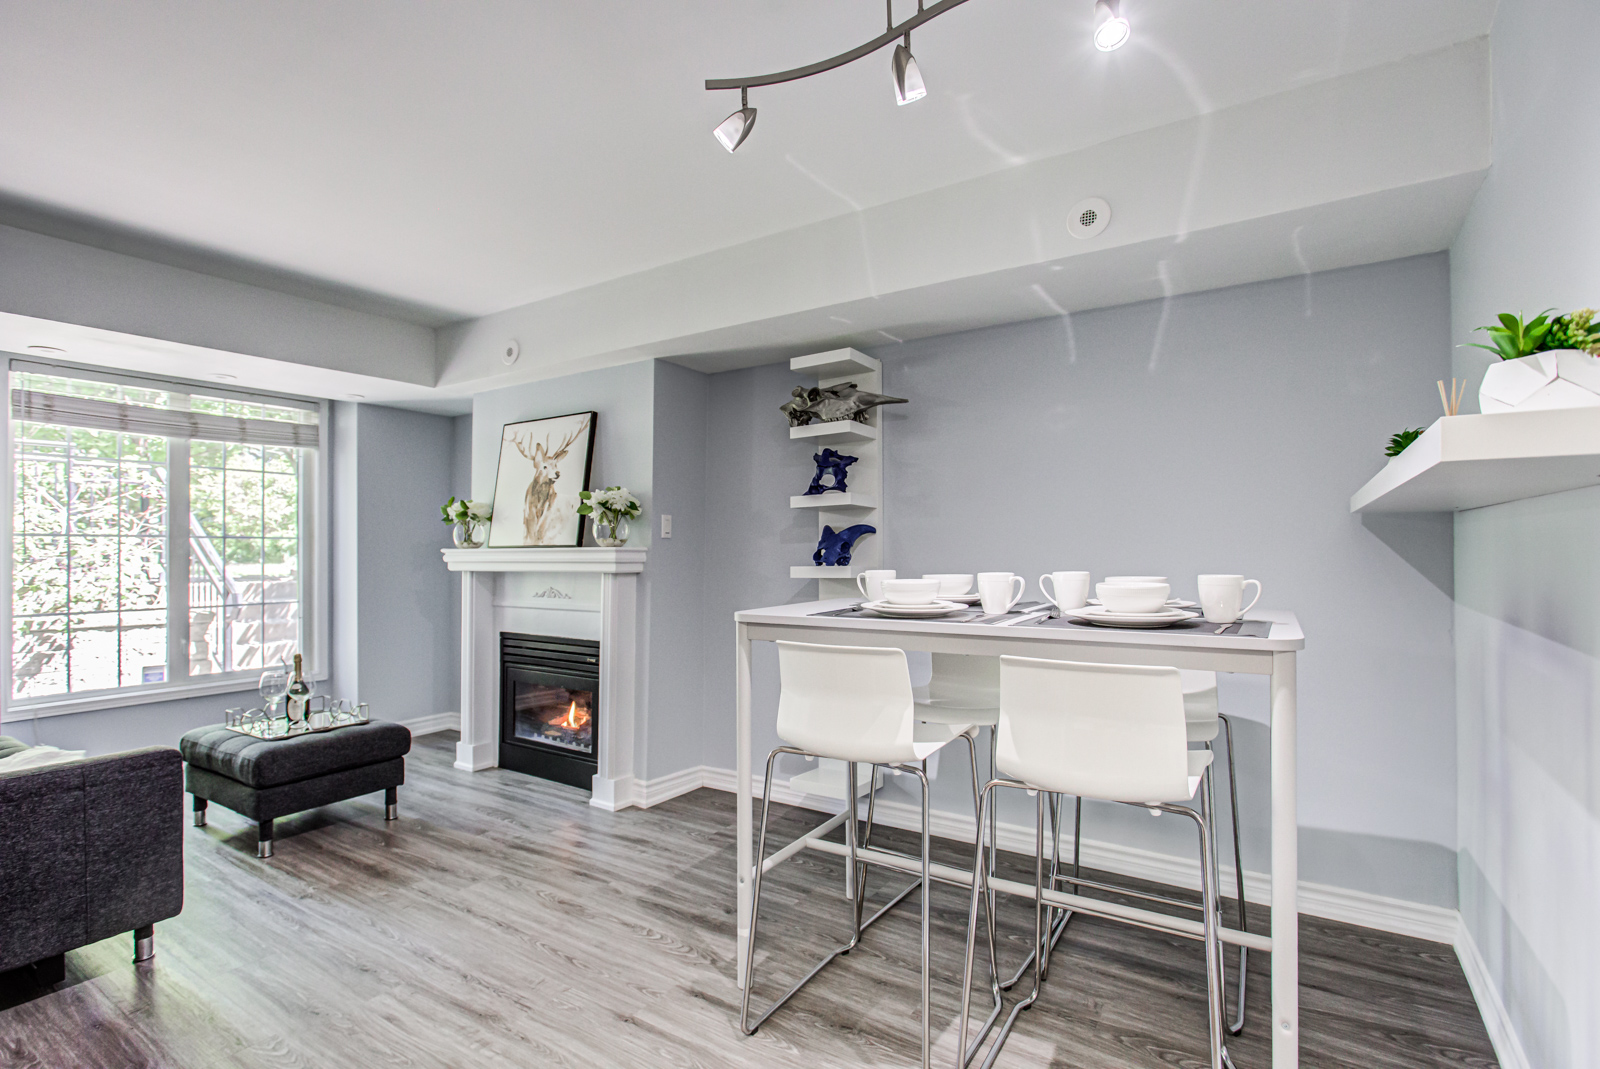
x,y
574,719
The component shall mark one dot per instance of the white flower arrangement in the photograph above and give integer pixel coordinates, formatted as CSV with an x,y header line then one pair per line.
x,y
467,512
609,505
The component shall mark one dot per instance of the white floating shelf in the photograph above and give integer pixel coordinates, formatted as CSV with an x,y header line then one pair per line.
x,y
833,364
839,430
818,571
1467,462
833,500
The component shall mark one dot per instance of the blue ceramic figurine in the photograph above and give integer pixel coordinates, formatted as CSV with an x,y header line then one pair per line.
x,y
829,462
835,546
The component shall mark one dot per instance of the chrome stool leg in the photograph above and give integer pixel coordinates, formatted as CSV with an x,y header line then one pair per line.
x,y
1211,914
857,925
1237,1024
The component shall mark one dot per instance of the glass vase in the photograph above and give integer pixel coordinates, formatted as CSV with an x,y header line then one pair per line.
x,y
468,535
611,533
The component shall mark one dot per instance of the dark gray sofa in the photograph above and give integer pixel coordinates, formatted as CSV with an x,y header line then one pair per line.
x,y
87,850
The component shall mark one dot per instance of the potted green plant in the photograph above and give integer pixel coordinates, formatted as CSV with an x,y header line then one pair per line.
x,y
468,519
611,508
1543,362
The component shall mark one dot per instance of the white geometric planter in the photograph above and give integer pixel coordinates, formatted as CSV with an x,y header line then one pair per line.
x,y
1560,378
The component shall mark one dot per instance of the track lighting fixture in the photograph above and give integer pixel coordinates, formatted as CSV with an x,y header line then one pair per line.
x,y
1110,28
1111,31
908,84
735,128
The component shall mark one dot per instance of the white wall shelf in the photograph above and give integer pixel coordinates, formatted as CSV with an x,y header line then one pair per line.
x,y
833,500
840,363
1467,462
839,430
830,571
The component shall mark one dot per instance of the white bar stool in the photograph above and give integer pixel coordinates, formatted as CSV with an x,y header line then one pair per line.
x,y
1115,732
853,704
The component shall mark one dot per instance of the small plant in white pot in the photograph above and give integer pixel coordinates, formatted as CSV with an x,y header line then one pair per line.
x,y
1544,363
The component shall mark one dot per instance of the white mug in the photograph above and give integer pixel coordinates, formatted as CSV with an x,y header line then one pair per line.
x,y
1067,590
870,583
1222,595
995,590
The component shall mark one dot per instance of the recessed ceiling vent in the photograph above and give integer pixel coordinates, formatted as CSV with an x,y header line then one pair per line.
x,y
1089,217
510,351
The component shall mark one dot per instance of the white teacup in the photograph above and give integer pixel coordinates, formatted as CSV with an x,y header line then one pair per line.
x,y
870,582
1124,596
999,591
910,591
1222,597
1067,590
952,584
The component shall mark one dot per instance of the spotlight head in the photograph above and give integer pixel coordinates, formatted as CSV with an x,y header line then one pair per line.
x,y
735,128
908,84
1110,28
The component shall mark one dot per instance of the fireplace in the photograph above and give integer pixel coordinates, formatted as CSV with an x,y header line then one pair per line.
x,y
550,707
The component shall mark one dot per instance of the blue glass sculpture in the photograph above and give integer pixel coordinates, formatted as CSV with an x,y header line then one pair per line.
x,y
830,462
835,546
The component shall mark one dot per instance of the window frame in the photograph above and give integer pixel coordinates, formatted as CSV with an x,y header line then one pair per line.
x,y
313,522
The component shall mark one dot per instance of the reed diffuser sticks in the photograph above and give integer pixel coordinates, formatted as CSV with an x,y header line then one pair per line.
x,y
1452,401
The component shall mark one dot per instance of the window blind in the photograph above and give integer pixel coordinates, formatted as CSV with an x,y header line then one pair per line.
x,y
38,407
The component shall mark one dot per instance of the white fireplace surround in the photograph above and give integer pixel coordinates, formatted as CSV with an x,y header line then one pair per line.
x,y
569,593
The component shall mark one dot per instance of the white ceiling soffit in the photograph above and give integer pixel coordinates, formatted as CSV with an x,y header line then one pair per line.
x,y
469,157
1365,167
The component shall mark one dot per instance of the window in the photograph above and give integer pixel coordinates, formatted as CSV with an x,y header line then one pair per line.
x,y
162,533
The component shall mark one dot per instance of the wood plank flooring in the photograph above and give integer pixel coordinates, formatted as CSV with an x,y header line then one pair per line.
x,y
502,921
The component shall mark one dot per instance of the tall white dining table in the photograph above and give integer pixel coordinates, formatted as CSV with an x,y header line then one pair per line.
x,y
1198,648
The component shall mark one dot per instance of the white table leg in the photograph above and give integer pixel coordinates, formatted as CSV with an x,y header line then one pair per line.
x,y
745,858
1285,870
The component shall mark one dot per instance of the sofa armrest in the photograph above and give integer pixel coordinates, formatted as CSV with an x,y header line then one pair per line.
x,y
87,850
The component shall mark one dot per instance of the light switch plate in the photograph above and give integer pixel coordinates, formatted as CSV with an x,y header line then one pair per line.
x,y
666,525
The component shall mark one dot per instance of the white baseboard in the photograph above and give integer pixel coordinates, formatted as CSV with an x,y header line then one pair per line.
x,y
427,725
1507,1047
1361,908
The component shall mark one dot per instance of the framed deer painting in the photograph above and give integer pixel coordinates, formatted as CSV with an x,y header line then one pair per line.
x,y
544,464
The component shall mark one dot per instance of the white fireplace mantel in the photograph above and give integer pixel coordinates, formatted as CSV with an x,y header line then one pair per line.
x,y
572,592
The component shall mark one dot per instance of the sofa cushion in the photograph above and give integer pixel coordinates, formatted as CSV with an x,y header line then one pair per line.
x,y
9,746
273,762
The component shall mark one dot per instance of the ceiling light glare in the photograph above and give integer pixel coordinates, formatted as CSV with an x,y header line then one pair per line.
x,y
908,84
1110,28
735,128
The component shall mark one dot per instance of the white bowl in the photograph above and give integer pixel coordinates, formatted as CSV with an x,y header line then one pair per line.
x,y
952,584
1133,597
1136,579
910,591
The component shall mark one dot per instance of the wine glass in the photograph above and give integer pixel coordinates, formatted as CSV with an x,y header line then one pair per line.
x,y
274,685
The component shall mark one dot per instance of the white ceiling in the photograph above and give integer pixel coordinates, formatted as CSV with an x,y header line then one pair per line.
x,y
473,156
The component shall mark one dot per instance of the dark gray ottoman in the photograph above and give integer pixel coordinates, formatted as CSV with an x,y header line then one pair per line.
x,y
268,778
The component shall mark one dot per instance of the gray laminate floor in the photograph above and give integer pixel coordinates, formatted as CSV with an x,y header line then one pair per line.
x,y
504,922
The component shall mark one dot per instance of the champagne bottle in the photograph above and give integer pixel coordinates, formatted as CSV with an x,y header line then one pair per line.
x,y
299,694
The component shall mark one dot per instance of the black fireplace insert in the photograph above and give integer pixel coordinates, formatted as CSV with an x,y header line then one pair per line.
x,y
550,707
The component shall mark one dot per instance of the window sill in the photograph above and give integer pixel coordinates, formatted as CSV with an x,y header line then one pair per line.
x,y
39,708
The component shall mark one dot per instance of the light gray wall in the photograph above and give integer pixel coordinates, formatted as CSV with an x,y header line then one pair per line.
x,y
1221,431
395,609
673,739
460,485
1527,582
49,278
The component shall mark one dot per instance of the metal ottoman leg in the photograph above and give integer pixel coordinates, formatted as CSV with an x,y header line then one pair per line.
x,y
199,811
264,839
391,803
144,943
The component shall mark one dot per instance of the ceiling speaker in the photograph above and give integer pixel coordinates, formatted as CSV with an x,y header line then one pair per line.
x,y
1089,217
509,352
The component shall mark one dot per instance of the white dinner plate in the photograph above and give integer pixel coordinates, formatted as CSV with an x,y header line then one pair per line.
x,y
1106,618
1172,603
965,599
913,612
